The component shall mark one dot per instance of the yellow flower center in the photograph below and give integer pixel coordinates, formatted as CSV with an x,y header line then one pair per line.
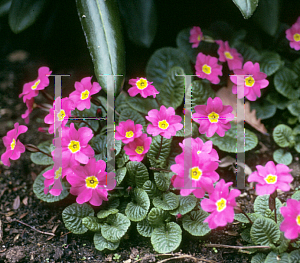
x,y
228,55
13,144
221,204
91,182
271,179
139,149
142,83
199,38
74,146
249,81
206,69
58,173
298,220
61,115
129,134
163,124
34,86
297,37
198,152
195,173
213,117
85,94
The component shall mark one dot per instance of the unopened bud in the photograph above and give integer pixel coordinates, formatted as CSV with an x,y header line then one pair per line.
x,y
42,129
31,148
99,112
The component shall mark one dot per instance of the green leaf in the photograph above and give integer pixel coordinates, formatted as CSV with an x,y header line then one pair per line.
x,y
129,114
297,147
281,156
229,141
264,110
166,238
141,33
296,66
294,108
151,189
162,182
261,204
285,81
270,62
246,235
115,228
169,201
171,91
22,14
137,174
122,159
41,158
277,99
283,244
258,258
193,223
4,7
120,175
249,53
73,215
154,150
143,105
91,223
296,196
201,91
247,7
274,258
242,218
102,29
98,143
157,216
38,189
283,136
163,60
91,112
105,213
101,243
137,209
295,256
264,232
186,204
144,228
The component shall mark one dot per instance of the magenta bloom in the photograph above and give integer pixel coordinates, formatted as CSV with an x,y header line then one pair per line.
x,y
62,116
291,223
226,53
196,36
214,117
199,147
271,177
31,89
293,35
14,147
221,204
127,131
83,92
143,87
252,84
164,122
207,67
202,175
75,147
89,183
29,104
137,149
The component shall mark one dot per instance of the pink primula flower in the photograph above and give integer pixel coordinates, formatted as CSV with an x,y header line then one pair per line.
x,y
127,131
207,67
29,104
271,177
61,118
137,149
14,147
291,223
83,92
252,84
31,89
143,87
221,204
293,35
89,183
164,122
202,174
75,147
214,117
196,36
226,53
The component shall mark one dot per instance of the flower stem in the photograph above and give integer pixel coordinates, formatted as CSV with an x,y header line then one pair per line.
x,y
33,148
272,204
47,96
247,217
160,147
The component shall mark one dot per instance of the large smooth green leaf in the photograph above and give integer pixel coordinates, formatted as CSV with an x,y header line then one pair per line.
x,y
22,14
137,174
182,41
186,204
73,215
201,91
41,158
283,136
294,108
166,238
277,99
91,223
144,228
101,243
248,52
115,227
143,105
193,223
120,175
264,110
102,29
274,257
130,114
156,144
169,201
137,209
270,62
157,216
247,7
140,20
4,7
282,156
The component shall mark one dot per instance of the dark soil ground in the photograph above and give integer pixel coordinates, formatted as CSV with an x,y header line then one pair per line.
x,y
22,214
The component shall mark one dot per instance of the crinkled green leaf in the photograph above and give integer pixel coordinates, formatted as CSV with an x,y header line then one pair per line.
x,y
143,105
270,62
264,110
73,215
201,91
130,114
275,257
41,158
120,175
144,228
154,150
283,136
258,258
246,235
137,174
186,204
243,219
261,204
193,223
91,223
137,209
157,216
105,213
162,182
247,7
101,243
249,53
166,238
91,112
283,244
277,99
122,159
282,156
294,256
151,189
169,201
